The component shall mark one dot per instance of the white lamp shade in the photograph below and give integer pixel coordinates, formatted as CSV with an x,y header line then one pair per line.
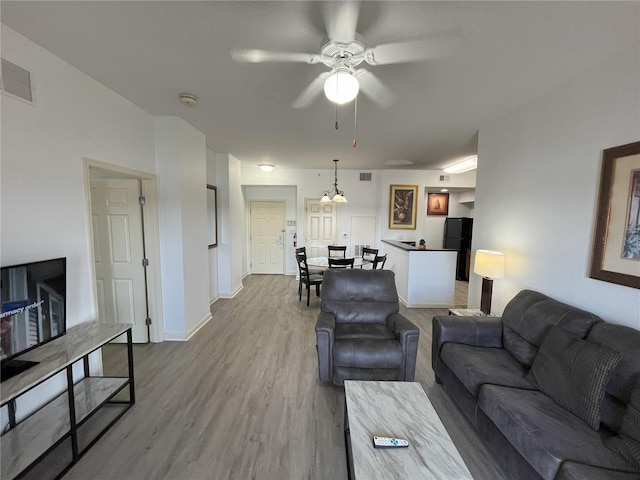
x,y
341,87
339,198
325,199
489,264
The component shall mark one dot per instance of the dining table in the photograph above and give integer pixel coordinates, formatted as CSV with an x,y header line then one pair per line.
x,y
323,262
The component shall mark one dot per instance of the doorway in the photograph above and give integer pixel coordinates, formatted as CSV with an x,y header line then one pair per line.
x,y
123,222
321,227
267,237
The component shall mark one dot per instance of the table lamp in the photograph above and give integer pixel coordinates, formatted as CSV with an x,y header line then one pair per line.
x,y
490,265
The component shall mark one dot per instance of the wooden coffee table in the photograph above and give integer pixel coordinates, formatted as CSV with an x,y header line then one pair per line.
x,y
401,410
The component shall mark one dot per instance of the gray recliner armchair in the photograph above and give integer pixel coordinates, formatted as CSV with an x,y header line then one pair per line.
x,y
360,333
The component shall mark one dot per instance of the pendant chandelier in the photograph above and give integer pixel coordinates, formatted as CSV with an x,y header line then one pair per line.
x,y
334,195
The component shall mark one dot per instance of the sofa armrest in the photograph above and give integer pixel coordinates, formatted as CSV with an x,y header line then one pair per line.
x,y
325,327
408,335
476,331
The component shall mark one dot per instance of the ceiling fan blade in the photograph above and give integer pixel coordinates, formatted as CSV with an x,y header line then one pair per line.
x,y
409,51
313,90
373,88
254,55
341,20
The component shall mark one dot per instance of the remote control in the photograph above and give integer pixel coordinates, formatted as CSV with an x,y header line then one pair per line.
x,y
389,442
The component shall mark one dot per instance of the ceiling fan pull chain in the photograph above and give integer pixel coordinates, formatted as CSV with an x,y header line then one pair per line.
x,y
355,122
336,116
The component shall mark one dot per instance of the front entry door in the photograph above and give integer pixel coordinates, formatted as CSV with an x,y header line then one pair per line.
x,y
267,237
119,251
321,228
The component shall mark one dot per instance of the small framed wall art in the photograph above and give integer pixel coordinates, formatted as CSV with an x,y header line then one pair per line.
x,y
403,204
438,204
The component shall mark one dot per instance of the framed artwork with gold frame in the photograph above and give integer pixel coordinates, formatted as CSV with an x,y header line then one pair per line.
x,y
403,206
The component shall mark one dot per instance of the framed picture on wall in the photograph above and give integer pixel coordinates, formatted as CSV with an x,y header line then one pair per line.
x,y
616,242
438,204
403,204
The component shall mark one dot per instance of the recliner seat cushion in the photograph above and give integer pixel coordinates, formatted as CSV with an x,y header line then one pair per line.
x,y
475,366
545,433
367,353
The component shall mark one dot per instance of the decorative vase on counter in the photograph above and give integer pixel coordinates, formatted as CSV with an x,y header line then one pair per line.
x,y
421,245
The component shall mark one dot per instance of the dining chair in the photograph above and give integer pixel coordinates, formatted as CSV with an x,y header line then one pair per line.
x,y
312,271
337,251
306,277
368,255
379,261
341,262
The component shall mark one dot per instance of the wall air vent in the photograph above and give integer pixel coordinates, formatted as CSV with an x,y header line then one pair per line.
x,y
16,81
365,176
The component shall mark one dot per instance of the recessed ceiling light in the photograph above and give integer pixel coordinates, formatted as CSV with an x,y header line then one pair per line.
x,y
266,167
444,190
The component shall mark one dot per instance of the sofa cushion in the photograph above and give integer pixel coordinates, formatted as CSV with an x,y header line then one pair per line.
x,y
475,366
545,433
574,373
625,340
528,316
627,443
367,353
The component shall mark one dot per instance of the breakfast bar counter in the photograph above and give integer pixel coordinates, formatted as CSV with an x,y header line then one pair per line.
x,y
424,278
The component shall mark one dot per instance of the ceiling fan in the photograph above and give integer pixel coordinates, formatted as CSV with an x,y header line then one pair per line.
x,y
343,51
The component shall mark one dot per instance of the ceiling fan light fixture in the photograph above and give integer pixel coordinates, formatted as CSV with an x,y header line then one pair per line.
x,y
341,87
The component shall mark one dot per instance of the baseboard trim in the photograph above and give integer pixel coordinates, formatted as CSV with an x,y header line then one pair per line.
x,y
181,337
233,294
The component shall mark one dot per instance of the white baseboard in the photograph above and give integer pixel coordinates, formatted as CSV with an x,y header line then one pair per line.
x,y
181,336
232,295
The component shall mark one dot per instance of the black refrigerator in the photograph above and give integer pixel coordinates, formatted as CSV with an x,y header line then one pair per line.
x,y
457,235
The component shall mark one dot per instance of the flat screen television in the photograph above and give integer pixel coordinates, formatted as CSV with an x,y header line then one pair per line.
x,y
32,310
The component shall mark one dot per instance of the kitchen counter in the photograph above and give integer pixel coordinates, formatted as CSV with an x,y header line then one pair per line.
x,y
424,278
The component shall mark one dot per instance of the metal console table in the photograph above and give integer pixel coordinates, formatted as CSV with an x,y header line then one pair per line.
x,y
48,442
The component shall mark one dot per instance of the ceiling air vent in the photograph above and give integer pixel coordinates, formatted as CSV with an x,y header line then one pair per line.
x,y
16,81
365,176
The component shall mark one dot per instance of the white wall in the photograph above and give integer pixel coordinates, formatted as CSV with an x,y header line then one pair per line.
x,y
213,252
232,226
537,186
181,165
43,146
365,198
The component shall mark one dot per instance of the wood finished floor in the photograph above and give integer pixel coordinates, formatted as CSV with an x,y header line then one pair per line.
x,y
241,399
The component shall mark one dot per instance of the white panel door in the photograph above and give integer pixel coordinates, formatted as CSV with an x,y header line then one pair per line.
x,y
321,228
267,237
119,251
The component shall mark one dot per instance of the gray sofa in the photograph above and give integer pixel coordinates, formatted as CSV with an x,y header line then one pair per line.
x,y
360,333
500,372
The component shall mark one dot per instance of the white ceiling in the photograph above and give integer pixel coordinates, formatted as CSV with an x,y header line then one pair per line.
x,y
505,54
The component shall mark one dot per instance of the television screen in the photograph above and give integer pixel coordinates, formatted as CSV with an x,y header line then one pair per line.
x,y
33,305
